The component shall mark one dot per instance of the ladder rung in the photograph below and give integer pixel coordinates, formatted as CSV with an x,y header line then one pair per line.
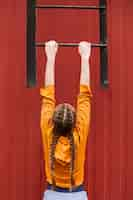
x,y
70,7
42,44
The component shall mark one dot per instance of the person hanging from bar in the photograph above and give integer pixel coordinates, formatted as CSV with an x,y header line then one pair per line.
x,y
65,130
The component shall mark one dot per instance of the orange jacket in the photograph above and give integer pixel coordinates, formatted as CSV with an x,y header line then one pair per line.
x,y
62,151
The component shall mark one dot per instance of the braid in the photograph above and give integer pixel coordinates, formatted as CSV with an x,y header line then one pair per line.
x,y
55,136
64,115
52,158
72,150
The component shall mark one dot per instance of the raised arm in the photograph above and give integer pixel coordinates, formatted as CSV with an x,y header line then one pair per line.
x,y
84,97
84,51
51,48
48,91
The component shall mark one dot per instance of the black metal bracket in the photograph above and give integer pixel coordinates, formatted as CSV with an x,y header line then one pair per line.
x,y
32,44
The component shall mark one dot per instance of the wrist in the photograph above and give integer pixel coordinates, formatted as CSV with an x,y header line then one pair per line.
x,y
51,58
85,58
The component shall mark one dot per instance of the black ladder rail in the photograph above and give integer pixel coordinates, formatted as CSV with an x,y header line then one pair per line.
x,y
31,51
103,39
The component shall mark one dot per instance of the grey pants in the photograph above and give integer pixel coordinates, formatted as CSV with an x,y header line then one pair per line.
x,y
53,195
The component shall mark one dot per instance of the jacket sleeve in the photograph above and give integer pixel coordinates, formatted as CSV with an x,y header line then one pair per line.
x,y
83,111
47,106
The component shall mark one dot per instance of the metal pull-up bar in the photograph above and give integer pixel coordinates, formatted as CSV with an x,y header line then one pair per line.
x,y
32,44
62,44
70,7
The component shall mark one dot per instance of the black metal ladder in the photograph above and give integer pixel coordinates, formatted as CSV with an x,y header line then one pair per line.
x,y
32,44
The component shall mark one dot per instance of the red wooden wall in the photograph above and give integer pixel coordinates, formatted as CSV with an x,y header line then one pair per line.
x,y
109,164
